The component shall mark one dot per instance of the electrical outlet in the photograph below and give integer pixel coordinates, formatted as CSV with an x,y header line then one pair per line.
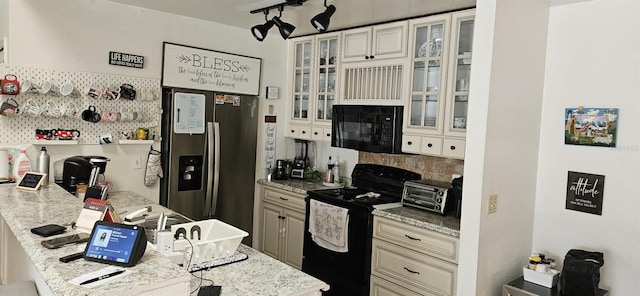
x,y
493,204
136,162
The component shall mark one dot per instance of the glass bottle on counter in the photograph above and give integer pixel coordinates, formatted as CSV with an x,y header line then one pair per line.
x,y
329,176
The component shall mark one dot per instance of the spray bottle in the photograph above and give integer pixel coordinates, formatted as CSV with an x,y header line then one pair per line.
x,y
22,164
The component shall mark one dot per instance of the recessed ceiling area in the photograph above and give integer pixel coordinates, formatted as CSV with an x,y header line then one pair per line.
x,y
349,13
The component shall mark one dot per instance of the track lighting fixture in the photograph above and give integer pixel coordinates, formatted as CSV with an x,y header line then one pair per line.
x,y
260,31
321,21
285,28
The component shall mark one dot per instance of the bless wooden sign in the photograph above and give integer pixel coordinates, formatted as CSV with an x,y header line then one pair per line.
x,y
209,70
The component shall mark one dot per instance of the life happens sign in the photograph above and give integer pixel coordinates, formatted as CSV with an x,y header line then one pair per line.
x,y
126,60
584,192
204,69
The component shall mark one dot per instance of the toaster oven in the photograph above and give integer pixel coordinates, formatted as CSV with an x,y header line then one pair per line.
x,y
425,195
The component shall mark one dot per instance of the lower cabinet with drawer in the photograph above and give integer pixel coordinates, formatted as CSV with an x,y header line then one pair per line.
x,y
407,260
283,226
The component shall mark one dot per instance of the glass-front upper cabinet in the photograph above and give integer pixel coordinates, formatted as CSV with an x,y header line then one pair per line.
x,y
459,73
429,51
301,79
326,70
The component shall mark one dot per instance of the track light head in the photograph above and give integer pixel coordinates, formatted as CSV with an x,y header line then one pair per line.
x,y
321,21
285,28
260,31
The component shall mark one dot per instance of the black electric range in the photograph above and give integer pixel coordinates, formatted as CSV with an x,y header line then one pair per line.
x,y
348,273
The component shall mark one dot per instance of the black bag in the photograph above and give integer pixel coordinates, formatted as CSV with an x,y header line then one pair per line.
x,y
581,273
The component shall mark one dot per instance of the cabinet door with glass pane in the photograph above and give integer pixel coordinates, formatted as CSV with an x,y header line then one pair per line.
x,y
327,50
459,73
429,50
303,53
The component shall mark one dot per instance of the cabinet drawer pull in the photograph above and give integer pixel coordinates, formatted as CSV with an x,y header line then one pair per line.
x,y
371,57
429,145
411,271
366,57
315,133
304,132
453,147
412,238
293,131
283,198
328,135
409,143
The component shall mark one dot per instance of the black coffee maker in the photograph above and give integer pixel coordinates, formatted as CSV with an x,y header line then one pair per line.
x,y
280,173
77,170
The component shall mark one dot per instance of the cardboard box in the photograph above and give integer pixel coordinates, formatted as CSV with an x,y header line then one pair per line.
x,y
548,279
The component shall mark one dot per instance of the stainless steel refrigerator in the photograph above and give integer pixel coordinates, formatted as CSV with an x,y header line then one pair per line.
x,y
209,156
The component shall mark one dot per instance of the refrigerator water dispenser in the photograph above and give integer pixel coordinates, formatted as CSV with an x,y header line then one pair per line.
x,y
190,177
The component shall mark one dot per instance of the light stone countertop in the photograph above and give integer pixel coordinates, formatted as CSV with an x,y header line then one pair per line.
x,y
23,210
449,225
293,185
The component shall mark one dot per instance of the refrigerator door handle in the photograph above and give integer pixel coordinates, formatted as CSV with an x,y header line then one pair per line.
x,y
216,167
210,163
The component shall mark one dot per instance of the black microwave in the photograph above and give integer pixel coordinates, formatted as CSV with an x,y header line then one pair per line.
x,y
367,128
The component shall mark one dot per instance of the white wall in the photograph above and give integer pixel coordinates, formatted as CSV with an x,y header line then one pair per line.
x,y
77,35
502,143
593,61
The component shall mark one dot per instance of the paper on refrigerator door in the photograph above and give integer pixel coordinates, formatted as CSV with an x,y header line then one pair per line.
x,y
188,113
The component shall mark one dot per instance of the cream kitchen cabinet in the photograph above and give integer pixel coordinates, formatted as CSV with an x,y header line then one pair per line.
x,y
375,43
407,260
436,109
315,80
283,215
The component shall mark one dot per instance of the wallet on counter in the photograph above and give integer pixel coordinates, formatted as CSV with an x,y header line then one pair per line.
x,y
48,230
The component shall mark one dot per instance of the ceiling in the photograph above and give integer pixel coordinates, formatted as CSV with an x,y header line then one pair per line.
x,y
349,13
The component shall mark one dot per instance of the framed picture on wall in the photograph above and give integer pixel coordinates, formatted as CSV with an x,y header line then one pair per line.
x,y
591,126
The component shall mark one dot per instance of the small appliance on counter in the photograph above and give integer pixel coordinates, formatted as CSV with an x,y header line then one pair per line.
x,y
280,172
301,161
455,194
427,195
82,170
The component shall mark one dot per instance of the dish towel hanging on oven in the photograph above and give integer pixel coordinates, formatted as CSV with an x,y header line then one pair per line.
x,y
328,225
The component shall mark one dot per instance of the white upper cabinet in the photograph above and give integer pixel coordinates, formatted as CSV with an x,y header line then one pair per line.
x,y
314,76
459,73
326,77
429,53
302,50
375,43
440,49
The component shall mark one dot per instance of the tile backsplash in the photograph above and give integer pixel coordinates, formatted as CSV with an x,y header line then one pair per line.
x,y
430,167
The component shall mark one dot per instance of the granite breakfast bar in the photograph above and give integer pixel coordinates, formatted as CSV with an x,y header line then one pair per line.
x,y
22,257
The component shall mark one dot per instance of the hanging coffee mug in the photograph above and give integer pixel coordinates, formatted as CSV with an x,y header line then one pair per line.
x,y
9,108
31,108
111,94
109,116
67,134
9,85
127,92
91,115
